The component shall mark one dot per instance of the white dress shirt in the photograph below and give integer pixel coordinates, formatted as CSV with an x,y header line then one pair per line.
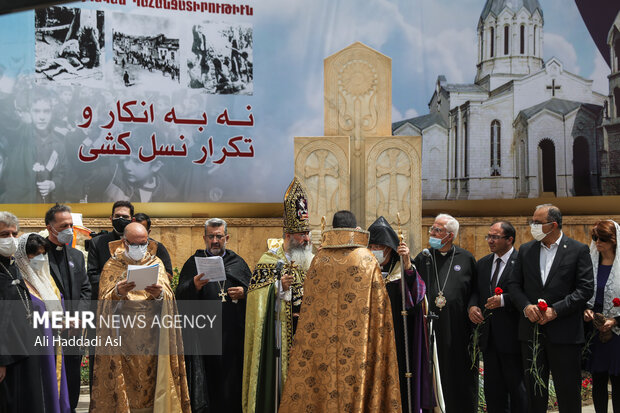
x,y
547,255
503,262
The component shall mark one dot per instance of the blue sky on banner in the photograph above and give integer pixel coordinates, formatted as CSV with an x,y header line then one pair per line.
x,y
424,38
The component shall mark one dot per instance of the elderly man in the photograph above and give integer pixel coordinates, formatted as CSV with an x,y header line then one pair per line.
x,y
69,272
449,273
558,270
504,389
278,277
222,374
21,387
135,379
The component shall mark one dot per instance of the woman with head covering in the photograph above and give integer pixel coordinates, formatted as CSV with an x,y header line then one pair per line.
x,y
604,311
31,259
388,249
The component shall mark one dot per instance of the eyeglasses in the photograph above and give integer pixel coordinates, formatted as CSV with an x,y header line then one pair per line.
x,y
137,245
214,236
597,238
436,229
533,222
494,237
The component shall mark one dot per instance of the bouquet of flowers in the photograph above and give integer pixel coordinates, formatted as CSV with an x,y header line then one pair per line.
x,y
475,347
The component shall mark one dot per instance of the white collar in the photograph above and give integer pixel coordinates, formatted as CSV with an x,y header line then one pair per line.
x,y
504,257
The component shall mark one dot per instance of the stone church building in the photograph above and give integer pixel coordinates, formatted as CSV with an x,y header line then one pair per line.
x,y
525,128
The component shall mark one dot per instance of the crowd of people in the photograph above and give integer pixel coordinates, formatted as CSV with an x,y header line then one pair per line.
x,y
357,325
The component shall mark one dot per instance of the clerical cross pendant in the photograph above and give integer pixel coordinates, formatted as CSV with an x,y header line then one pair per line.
x,y
440,301
222,294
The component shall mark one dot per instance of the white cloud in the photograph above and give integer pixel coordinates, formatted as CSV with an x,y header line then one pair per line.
x,y
556,45
599,75
411,113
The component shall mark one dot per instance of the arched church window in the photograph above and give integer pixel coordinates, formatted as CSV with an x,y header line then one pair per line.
x,y
496,131
534,41
492,41
522,39
506,39
617,101
481,44
456,148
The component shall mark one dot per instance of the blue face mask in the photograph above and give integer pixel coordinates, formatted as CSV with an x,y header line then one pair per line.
x,y
436,242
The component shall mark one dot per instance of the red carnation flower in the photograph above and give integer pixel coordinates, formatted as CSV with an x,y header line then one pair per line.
x,y
499,291
616,302
542,305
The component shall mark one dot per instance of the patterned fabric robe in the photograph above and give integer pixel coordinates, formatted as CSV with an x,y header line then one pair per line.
x,y
147,382
259,362
344,354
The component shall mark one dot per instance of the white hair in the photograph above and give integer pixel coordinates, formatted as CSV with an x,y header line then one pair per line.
x,y
452,225
9,220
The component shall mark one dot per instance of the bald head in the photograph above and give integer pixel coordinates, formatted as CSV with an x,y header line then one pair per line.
x,y
135,234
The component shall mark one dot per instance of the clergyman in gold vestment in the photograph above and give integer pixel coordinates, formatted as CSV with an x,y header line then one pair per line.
x,y
343,357
148,374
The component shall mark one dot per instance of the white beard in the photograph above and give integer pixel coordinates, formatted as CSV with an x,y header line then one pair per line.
x,y
302,256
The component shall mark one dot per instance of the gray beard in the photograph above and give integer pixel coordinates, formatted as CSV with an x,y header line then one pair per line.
x,y
302,256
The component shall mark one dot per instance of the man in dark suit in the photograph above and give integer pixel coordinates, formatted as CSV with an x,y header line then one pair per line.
x,y
556,269
69,272
504,388
98,251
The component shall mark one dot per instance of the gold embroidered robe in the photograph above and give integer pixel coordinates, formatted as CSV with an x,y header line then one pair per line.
x,y
138,383
343,357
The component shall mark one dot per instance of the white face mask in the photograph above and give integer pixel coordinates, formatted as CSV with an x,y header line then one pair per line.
x,y
136,252
65,236
8,246
379,255
537,232
38,262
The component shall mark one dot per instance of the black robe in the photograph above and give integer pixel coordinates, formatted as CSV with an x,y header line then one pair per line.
x,y
22,389
453,327
381,233
221,376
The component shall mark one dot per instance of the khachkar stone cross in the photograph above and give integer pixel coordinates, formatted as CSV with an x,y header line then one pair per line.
x,y
322,170
358,165
396,165
553,87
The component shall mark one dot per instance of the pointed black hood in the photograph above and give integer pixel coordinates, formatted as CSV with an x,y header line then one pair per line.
x,y
381,233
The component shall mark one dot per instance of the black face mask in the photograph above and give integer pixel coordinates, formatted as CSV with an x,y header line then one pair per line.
x,y
119,224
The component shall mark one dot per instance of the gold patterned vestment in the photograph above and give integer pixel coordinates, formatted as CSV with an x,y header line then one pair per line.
x,y
256,357
343,357
126,382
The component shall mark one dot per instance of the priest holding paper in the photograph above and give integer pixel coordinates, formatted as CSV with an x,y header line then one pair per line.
x,y
217,273
148,373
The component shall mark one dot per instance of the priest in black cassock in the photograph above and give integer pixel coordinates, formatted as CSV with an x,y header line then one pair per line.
x,y
388,249
215,381
450,274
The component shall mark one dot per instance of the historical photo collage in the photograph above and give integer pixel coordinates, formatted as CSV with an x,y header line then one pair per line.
x,y
72,47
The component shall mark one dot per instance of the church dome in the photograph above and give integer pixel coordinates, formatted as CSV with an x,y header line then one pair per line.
x,y
496,6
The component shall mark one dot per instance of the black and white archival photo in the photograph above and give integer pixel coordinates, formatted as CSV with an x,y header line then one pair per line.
x,y
221,60
69,45
146,52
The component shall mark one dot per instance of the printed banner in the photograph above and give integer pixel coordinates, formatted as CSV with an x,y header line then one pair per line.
x,y
190,101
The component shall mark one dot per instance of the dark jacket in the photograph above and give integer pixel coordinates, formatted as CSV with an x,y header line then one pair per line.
x,y
569,286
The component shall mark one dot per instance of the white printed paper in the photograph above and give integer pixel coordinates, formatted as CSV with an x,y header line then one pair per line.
x,y
211,267
142,275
